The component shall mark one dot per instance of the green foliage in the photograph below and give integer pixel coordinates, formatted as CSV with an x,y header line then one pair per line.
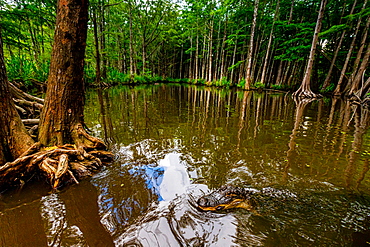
x,y
169,38
259,85
295,40
89,74
225,82
197,81
22,69
334,29
234,66
364,12
41,71
116,77
329,88
280,87
241,83
183,80
220,83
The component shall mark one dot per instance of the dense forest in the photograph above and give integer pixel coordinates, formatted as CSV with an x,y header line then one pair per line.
x,y
215,42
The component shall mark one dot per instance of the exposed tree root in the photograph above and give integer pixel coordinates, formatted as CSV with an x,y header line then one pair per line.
x,y
361,96
306,94
60,165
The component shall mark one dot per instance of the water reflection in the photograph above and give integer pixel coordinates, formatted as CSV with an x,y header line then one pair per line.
x,y
173,221
173,142
71,218
247,138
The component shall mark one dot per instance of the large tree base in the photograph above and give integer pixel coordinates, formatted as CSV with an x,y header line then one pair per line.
x,y
60,165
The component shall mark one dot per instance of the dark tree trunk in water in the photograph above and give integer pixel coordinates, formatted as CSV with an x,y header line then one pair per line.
x,y
14,138
65,92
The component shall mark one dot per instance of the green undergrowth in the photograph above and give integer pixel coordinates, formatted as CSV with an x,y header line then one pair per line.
x,y
28,71
20,68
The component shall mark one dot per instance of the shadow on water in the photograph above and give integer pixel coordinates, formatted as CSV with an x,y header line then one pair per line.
x,y
175,143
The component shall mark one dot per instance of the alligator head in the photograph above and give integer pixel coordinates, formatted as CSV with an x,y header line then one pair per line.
x,y
227,197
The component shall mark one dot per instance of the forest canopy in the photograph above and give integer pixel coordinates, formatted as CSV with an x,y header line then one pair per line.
x,y
206,42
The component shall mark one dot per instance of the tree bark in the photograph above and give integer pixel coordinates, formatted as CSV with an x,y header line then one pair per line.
x,y
222,67
64,102
132,67
269,45
210,52
248,76
232,72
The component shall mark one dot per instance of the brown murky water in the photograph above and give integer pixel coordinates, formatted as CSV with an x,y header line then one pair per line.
x,y
173,143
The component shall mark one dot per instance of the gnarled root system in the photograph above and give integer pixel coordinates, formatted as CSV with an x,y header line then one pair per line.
x,y
59,164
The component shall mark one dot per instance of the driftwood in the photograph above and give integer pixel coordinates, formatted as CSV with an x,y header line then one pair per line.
x,y
28,106
30,121
19,94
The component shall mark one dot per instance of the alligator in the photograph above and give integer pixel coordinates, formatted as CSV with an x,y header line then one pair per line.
x,y
228,197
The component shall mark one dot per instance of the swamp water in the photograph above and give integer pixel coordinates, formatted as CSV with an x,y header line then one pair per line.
x,y
174,143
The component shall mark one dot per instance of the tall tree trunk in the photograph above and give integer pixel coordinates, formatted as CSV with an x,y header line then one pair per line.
x,y
181,61
266,60
233,61
337,90
217,56
97,49
339,45
196,72
191,64
203,74
222,67
64,102
248,76
360,73
355,78
279,73
210,52
14,138
102,23
143,55
291,12
132,67
304,90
